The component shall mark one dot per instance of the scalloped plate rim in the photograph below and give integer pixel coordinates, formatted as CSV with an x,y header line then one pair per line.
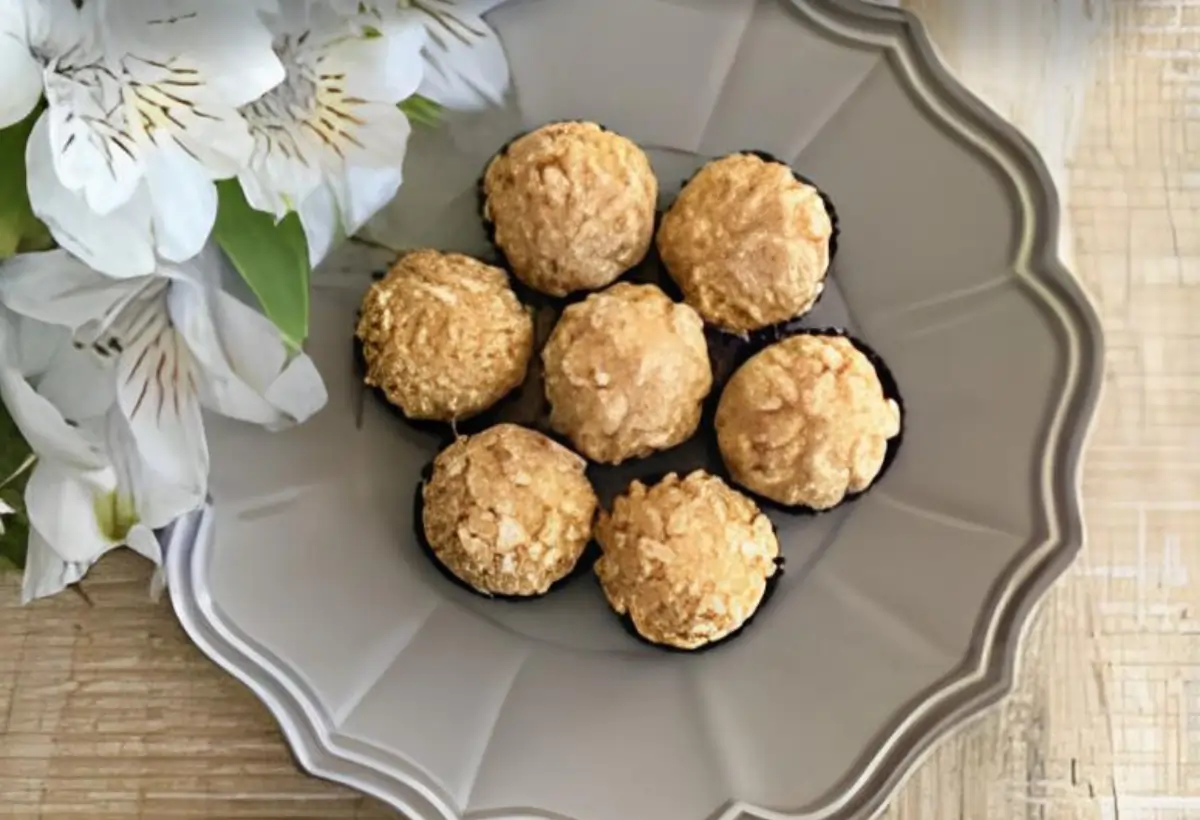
x,y
980,681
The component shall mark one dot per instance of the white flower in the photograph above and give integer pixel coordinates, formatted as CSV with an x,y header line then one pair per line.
x,y
77,516
329,141
465,65
27,347
24,30
41,368
89,491
158,348
46,573
142,115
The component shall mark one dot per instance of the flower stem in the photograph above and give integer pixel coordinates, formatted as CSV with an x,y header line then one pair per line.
x,y
29,461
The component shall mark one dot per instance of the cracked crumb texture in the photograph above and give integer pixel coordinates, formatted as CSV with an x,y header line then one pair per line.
x,y
573,206
805,422
747,243
444,336
686,559
508,511
626,373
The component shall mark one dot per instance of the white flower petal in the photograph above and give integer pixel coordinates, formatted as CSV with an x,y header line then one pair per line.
x,y
219,140
247,344
261,194
62,503
185,201
193,305
257,356
144,542
381,140
466,68
190,65
363,192
243,368
201,52
56,288
158,501
310,26
79,515
46,573
321,222
36,343
79,384
22,75
118,244
157,392
64,27
93,149
299,392
387,68
278,181
39,421
170,68
42,425
337,108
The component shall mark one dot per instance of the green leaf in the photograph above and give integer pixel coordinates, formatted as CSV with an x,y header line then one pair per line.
x,y
421,110
35,237
14,543
271,256
20,230
14,455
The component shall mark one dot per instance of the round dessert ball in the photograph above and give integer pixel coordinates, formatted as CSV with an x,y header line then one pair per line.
x,y
686,560
444,336
572,206
805,422
508,511
747,243
626,373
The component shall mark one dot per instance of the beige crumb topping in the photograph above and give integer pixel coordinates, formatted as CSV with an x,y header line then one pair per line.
x,y
747,243
687,559
508,511
805,421
444,336
573,206
626,373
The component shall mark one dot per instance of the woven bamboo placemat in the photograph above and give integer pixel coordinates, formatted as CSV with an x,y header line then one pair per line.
x,y
106,711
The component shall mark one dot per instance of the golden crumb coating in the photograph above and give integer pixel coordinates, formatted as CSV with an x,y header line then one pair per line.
x,y
686,559
747,243
572,205
508,511
626,373
805,421
444,336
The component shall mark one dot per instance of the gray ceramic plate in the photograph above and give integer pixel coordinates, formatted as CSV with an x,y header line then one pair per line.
x,y
899,614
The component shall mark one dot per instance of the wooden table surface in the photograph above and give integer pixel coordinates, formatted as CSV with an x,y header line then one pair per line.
x,y
106,710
